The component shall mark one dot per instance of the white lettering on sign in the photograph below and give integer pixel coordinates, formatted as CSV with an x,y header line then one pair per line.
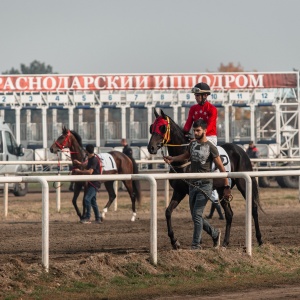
x,y
161,82
87,82
76,84
62,83
49,82
127,81
9,84
225,81
35,83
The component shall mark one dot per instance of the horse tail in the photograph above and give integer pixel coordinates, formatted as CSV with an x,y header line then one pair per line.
x,y
255,193
136,183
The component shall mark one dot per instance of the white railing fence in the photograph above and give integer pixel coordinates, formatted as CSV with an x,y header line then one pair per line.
x,y
152,178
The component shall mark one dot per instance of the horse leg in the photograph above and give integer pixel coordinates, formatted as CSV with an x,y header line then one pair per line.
x,y
77,189
173,204
228,216
129,187
109,185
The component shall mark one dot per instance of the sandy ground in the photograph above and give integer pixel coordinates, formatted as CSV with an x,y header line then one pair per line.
x,y
21,231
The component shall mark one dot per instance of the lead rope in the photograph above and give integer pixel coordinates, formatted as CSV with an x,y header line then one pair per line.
x,y
186,181
226,199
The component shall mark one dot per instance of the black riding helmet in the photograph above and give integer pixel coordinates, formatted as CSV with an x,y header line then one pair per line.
x,y
201,88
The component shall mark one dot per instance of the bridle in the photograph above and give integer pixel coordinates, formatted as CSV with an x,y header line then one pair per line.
x,y
167,136
64,142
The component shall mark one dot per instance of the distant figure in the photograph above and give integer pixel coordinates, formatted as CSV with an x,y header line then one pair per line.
x,y
252,151
126,149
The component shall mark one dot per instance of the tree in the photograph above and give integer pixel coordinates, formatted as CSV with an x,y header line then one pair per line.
x,y
35,67
230,68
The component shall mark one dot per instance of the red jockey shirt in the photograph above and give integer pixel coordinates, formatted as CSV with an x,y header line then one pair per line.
x,y
207,112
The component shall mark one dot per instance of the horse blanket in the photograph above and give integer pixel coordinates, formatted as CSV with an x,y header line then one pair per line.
x,y
107,161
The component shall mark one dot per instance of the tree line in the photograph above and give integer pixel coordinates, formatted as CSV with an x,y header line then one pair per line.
x,y
37,67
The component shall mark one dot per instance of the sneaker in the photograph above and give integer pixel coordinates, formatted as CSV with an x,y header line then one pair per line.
x,y
99,221
208,217
195,247
217,240
85,221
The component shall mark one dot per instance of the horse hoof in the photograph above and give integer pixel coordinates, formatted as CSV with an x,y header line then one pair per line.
x,y
104,212
176,245
133,217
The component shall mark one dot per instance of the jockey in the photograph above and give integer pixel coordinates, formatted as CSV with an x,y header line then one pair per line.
x,y
203,110
208,112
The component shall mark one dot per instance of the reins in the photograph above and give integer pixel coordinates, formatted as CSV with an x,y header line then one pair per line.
x,y
186,181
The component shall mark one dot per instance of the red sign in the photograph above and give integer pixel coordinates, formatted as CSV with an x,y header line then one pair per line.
x,y
226,81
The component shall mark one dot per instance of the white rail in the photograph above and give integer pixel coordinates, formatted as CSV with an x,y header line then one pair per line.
x,y
44,180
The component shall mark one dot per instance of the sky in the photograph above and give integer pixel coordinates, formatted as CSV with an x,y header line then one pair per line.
x,y
157,36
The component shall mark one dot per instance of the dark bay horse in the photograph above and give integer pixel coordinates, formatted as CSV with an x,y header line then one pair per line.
x,y
165,132
71,139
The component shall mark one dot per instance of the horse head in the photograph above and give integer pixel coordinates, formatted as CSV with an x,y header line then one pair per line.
x,y
63,141
164,131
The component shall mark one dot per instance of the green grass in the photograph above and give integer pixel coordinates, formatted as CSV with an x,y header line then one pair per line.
x,y
205,273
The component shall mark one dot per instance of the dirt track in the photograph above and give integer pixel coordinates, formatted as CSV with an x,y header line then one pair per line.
x,y
21,231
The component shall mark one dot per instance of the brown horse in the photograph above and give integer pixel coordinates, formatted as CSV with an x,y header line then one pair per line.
x,y
124,165
165,132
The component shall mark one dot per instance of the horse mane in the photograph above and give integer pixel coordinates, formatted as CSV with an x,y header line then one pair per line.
x,y
176,129
77,137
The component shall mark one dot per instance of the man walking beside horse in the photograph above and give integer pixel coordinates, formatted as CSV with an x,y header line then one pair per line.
x,y
90,195
202,154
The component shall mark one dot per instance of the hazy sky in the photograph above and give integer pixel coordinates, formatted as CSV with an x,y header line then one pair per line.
x,y
155,36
